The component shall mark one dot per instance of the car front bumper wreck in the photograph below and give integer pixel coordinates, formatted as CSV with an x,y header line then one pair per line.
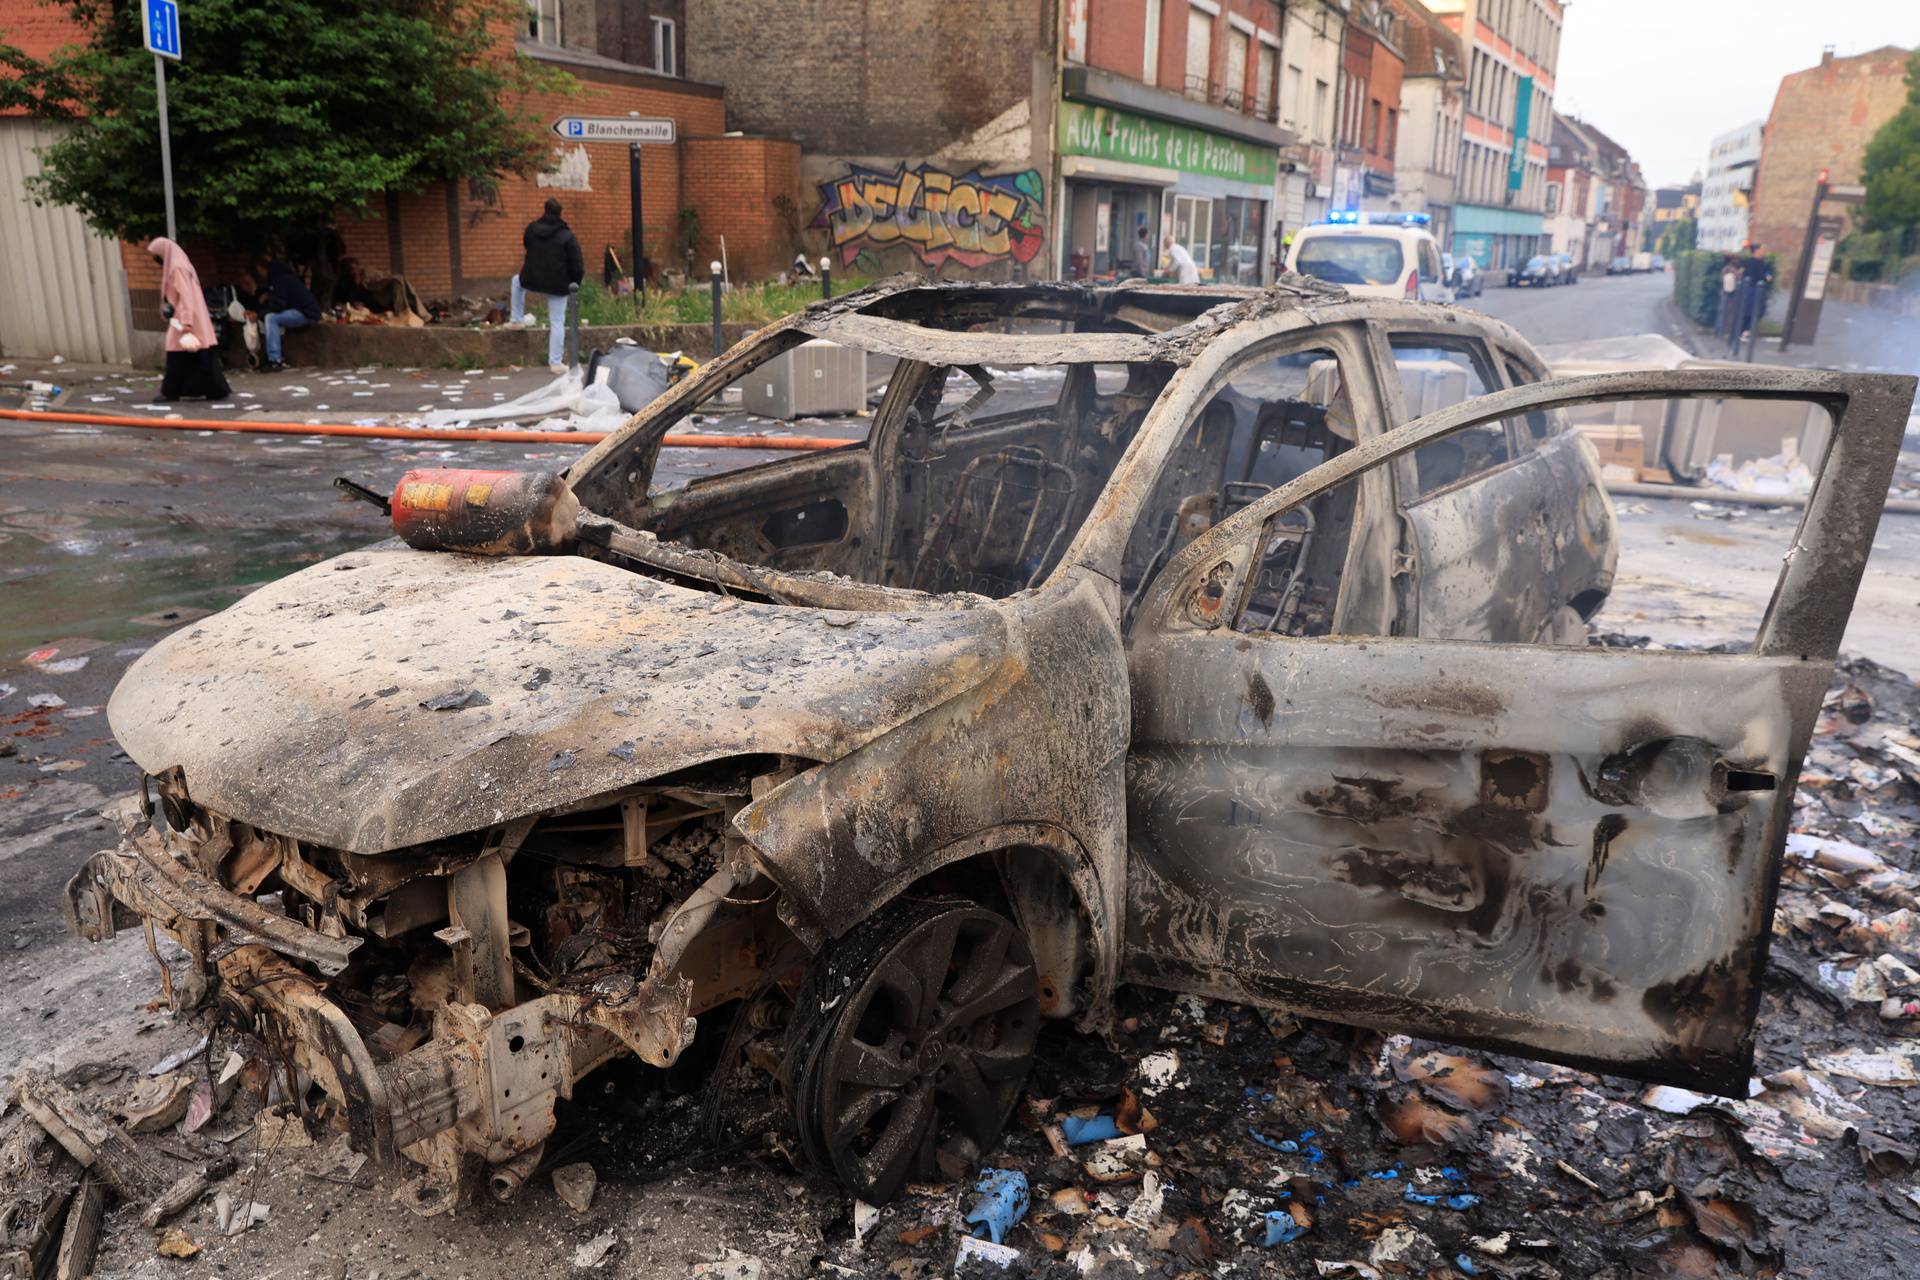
x,y
481,1088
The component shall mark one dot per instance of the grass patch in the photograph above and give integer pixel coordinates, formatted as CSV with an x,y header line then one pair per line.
x,y
756,304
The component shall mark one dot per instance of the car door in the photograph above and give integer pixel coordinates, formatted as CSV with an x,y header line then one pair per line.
x,y
1566,852
1503,502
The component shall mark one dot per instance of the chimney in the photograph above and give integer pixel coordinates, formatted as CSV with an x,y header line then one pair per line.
x,y
1826,56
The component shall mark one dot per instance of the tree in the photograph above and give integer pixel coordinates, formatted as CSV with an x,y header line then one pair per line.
x,y
1892,168
281,113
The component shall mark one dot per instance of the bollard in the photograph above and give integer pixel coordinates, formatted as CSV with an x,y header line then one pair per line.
x,y
719,335
573,325
826,277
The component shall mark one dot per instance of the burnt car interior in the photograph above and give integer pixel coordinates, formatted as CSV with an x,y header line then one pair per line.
x,y
1275,420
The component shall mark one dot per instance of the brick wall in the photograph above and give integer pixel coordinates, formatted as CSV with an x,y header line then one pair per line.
x,y
1822,118
747,190
867,77
36,29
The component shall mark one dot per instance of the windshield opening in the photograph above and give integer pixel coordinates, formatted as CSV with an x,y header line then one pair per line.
x,y
962,475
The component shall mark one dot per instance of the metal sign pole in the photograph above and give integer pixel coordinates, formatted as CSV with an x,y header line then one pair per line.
x,y
637,216
166,147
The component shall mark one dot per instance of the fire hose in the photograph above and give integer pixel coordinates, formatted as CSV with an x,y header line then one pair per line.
x,y
500,435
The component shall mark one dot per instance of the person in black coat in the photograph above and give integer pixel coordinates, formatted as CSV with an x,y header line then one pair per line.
x,y
553,263
284,302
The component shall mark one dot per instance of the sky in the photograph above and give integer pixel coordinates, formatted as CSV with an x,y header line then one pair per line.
x,y
1664,78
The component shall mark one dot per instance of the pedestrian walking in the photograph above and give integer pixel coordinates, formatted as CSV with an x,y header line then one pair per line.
x,y
1729,283
552,264
1756,273
1143,252
1184,269
193,366
284,302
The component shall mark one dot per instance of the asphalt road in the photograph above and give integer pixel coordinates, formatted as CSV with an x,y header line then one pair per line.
x,y
1595,307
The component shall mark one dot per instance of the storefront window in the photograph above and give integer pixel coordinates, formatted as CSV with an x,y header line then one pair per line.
x,y
1238,231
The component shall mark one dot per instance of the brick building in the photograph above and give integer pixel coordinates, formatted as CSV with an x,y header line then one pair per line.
x,y
1822,118
1014,138
463,239
1513,52
1431,102
1312,41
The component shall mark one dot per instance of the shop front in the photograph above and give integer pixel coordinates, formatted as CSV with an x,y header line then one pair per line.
x,y
1122,171
1497,239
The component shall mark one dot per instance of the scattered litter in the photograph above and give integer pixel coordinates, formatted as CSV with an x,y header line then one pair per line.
x,y
974,1249
46,701
1002,1203
175,1061
175,1243
595,1251
236,1216
575,1185
731,1265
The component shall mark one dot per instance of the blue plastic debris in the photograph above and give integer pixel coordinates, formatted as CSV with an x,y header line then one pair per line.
x,y
1287,1145
1281,1228
1080,1130
1465,1264
1459,1200
1002,1203
1385,1175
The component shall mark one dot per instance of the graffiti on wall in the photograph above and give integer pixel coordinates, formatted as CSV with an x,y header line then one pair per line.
x,y
974,219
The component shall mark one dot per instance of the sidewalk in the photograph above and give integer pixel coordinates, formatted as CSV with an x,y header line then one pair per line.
x,y
1852,337
370,394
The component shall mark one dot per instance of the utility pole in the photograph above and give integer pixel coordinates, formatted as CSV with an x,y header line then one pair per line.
x,y
637,217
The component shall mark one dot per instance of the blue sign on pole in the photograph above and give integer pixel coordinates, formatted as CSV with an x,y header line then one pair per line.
x,y
162,28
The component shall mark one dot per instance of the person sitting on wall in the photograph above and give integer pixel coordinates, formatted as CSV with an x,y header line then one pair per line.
x,y
284,302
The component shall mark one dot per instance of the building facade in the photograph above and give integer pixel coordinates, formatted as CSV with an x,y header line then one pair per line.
x,y
1669,207
1822,120
1168,120
1513,50
1726,193
1311,47
1432,96
1576,197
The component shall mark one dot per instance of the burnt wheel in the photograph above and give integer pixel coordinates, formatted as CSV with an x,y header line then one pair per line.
x,y
913,1034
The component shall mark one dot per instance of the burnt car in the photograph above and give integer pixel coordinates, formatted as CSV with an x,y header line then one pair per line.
x,y
1230,643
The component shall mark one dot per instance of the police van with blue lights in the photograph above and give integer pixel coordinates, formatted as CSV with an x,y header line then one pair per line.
x,y
1373,255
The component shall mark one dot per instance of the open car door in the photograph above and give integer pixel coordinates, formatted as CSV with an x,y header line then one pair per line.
x,y
1568,852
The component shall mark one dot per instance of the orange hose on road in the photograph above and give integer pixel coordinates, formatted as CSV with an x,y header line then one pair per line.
x,y
670,441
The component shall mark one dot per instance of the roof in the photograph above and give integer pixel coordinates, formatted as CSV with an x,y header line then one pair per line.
x,y
1432,48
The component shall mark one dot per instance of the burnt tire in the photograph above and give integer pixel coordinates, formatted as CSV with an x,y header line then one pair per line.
x,y
912,1033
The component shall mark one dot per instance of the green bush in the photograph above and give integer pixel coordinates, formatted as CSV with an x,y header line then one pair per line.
x,y
755,304
1696,284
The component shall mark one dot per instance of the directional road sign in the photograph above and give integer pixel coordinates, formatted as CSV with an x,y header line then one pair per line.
x,y
610,128
162,28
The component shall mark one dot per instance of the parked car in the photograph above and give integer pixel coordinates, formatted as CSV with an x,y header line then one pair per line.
x,y
1620,266
1537,272
1373,256
1564,269
1643,262
1659,263
1144,638
1467,281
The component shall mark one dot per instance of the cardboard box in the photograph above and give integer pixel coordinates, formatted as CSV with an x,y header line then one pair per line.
x,y
1618,444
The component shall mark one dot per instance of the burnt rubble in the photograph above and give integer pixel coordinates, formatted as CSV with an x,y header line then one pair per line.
x,y
1199,1138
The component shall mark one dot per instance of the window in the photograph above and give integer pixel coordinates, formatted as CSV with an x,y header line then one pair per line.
x,y
1150,65
666,58
1238,226
1345,259
1234,76
1199,52
1269,60
1393,132
1321,99
543,21
1277,418
1434,376
1290,105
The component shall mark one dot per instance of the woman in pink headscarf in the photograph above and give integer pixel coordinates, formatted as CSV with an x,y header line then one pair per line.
x,y
193,363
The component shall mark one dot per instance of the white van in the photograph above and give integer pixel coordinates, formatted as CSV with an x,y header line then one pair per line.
x,y
1373,255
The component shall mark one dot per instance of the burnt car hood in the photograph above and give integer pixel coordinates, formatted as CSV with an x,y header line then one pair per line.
x,y
390,697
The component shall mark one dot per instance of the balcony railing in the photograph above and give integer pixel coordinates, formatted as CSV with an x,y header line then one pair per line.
x,y
1205,89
